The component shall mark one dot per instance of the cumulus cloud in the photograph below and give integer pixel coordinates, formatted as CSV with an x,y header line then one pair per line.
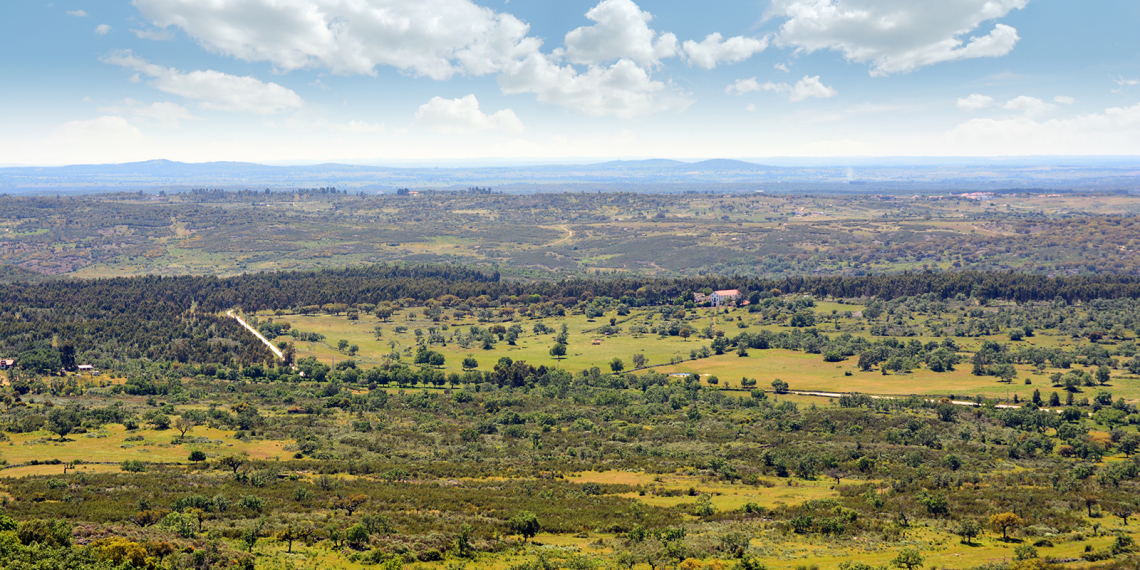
x,y
77,13
213,89
436,38
1031,106
621,31
715,49
1115,131
1064,100
102,29
805,88
781,67
462,116
975,102
896,35
623,89
604,68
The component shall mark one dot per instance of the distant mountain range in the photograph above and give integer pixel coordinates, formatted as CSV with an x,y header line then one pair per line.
x,y
861,175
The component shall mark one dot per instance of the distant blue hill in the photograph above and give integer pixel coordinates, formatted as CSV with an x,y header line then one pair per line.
x,y
937,175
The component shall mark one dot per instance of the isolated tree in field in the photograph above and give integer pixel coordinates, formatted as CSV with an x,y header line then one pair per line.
x,y
558,351
1103,375
234,462
968,529
1004,522
185,424
383,313
436,359
617,365
350,503
779,386
908,559
251,534
62,420
638,360
288,535
341,345
1123,511
470,363
197,455
525,523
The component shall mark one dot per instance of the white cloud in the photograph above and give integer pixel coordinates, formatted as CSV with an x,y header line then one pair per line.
x,y
781,67
462,116
156,35
1031,106
436,38
803,89
623,89
77,13
1120,80
751,107
1064,100
896,35
102,29
621,32
602,69
975,102
110,130
213,89
713,50
1115,131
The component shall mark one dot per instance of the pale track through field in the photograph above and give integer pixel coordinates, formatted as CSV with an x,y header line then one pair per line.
x,y
570,234
275,350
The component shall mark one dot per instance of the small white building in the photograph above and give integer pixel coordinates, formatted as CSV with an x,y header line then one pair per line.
x,y
86,368
727,296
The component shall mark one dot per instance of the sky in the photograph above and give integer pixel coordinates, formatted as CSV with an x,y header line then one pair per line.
x,y
392,81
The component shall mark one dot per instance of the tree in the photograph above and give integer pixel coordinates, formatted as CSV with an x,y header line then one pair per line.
x,y
251,534
436,359
357,535
350,503
184,425
197,455
289,534
1103,375
1004,522
383,313
558,351
779,386
158,419
968,529
525,523
639,360
341,345
470,363
617,365
233,462
63,420
908,558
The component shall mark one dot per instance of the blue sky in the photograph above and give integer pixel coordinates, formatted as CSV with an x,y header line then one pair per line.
x,y
387,81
